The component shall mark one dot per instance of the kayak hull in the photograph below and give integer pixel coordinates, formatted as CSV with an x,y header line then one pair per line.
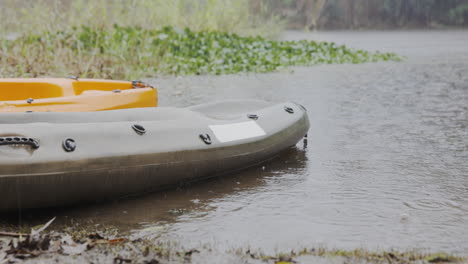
x,y
112,160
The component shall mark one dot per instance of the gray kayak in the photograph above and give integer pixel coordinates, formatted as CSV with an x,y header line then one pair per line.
x,y
55,159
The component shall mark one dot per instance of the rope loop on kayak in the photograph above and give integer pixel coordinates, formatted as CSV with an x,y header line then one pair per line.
x,y
205,138
139,129
252,116
289,109
69,145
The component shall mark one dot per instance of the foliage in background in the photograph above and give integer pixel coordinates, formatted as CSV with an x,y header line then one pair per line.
x,y
351,14
236,16
80,37
130,52
459,14
244,17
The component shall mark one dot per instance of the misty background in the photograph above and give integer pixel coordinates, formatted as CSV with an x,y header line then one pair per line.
x,y
368,14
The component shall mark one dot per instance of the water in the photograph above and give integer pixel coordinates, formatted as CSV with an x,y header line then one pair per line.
x,y
385,166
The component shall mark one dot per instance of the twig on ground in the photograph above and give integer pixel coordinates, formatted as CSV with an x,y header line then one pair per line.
x,y
11,234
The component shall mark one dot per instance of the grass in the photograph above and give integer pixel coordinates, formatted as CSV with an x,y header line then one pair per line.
x,y
128,52
32,17
128,39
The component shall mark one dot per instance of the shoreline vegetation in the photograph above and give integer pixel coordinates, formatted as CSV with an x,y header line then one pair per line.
x,y
136,39
108,246
133,52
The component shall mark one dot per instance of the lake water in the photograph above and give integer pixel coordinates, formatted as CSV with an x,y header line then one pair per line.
x,y
385,165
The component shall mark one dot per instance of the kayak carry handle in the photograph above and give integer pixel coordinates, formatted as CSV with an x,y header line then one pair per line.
x,y
19,141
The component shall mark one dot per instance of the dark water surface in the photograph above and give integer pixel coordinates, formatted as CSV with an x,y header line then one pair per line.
x,y
386,165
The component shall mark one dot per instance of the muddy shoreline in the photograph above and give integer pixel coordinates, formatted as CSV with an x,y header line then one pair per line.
x,y
106,245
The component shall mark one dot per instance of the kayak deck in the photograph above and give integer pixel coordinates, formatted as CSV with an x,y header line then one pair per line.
x,y
83,157
73,95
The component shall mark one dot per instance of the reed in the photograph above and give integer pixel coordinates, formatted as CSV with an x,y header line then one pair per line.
x,y
26,17
127,39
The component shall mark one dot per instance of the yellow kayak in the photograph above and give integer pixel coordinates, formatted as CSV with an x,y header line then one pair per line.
x,y
73,95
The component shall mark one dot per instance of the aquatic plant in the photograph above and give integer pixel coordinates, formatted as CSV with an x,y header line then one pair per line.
x,y
129,52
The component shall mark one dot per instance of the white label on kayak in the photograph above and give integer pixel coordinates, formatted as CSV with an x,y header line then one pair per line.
x,y
237,131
